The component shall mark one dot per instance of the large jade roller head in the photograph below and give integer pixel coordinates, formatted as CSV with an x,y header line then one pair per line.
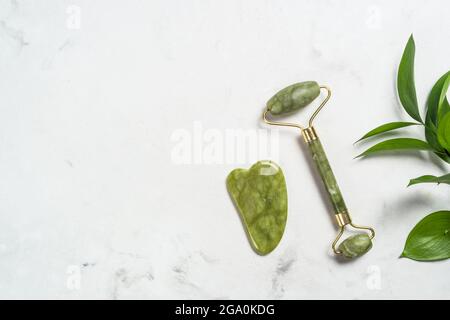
x,y
289,100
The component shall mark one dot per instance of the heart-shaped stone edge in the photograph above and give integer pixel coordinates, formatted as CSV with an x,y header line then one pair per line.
x,y
240,212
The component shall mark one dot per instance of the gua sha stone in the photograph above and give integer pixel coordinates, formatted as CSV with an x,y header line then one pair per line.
x,y
260,196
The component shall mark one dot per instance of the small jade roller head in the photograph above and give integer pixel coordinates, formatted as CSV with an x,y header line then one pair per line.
x,y
294,97
289,100
355,246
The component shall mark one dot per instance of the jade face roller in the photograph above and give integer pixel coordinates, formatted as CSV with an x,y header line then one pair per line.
x,y
289,100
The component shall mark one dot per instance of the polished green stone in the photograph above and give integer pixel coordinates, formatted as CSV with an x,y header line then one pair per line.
x,y
355,246
325,171
294,97
260,196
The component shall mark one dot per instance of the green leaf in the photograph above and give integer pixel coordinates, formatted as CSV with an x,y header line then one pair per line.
x,y
429,240
432,117
397,144
443,106
405,81
434,99
443,133
430,179
387,127
431,135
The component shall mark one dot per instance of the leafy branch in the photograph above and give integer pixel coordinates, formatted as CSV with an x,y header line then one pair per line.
x,y
430,238
437,120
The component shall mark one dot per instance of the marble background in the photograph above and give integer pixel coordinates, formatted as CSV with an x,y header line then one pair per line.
x,y
94,96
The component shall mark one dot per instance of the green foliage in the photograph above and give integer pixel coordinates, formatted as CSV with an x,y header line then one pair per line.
x,y
430,238
397,144
430,179
443,132
405,81
387,127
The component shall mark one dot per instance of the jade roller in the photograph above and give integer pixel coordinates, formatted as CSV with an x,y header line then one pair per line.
x,y
289,100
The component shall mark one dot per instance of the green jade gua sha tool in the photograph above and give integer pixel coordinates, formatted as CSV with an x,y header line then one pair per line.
x,y
289,100
260,195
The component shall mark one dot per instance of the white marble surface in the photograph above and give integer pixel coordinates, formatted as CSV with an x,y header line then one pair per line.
x,y
93,94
